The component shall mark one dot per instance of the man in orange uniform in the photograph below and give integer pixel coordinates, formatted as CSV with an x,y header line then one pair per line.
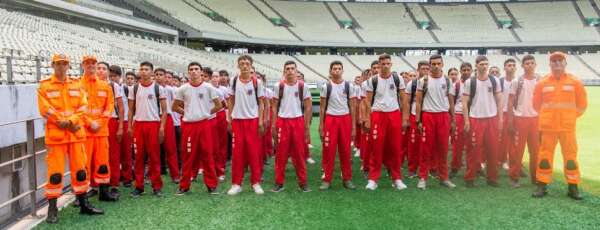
x,y
100,107
559,98
63,104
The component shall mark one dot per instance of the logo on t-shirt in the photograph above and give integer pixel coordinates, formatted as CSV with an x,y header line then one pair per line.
x,y
249,92
150,96
200,95
490,89
296,94
392,87
444,86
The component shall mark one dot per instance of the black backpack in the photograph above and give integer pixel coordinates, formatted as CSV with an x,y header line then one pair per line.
x,y
346,91
396,82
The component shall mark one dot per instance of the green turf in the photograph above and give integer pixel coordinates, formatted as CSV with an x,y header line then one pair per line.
x,y
436,208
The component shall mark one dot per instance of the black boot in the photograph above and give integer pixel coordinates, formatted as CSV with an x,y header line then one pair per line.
x,y
86,208
52,212
105,194
574,192
540,191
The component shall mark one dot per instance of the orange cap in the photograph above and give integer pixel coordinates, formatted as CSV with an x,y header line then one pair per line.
x,y
89,58
60,57
558,55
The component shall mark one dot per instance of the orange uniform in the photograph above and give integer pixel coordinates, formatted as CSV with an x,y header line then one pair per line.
x,y
100,107
559,103
64,101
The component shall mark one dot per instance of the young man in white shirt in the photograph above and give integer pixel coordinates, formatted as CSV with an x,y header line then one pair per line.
x,y
506,138
119,145
267,139
291,126
435,118
147,127
483,103
523,121
413,147
169,147
389,117
337,119
246,109
460,143
197,101
365,140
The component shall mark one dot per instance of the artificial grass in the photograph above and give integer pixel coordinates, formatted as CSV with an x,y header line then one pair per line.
x,y
482,207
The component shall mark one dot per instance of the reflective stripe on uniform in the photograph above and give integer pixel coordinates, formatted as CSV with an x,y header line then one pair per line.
x,y
559,105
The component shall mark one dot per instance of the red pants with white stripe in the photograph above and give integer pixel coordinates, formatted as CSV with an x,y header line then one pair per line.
x,y
120,158
290,142
386,131
526,132
357,137
484,148
336,138
267,147
145,141
434,140
220,149
170,148
506,142
365,150
414,145
245,151
197,145
459,143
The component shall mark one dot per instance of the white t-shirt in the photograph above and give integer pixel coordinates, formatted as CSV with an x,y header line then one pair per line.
x,y
246,105
505,94
386,97
197,100
119,94
436,98
338,101
457,96
170,93
525,99
146,106
290,106
408,92
269,93
484,102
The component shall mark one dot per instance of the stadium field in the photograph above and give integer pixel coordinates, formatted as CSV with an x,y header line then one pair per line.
x,y
482,207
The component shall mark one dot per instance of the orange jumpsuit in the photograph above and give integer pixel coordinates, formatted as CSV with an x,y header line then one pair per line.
x,y
100,107
559,103
62,101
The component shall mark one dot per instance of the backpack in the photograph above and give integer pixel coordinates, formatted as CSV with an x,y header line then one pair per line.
x,y
346,91
254,83
156,92
396,82
473,88
300,95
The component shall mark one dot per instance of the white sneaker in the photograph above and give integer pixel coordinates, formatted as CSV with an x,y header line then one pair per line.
x,y
448,184
200,172
310,146
422,184
311,161
505,166
398,184
222,178
357,153
371,185
234,190
257,189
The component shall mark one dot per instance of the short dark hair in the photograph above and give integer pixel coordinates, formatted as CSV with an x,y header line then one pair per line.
x,y
104,63
466,64
147,63
208,71
177,77
527,58
480,58
509,61
384,57
376,62
194,64
366,72
115,69
223,72
422,63
435,56
290,62
130,73
169,72
451,69
336,62
245,57
160,70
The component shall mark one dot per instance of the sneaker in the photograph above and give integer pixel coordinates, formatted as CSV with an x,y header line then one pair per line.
x,y
213,191
357,153
574,192
257,189
412,175
234,190
200,172
324,186
221,178
448,184
540,191
349,185
310,161
515,183
310,146
157,193
422,184
305,188
453,173
181,192
277,188
137,193
371,185
398,184
176,181
505,166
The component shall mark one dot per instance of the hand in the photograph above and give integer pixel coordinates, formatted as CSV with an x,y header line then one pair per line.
x,y
74,128
452,128
161,135
500,125
120,134
306,134
130,131
321,132
261,129
405,125
64,124
274,133
353,134
511,126
367,126
420,127
229,129
94,127
467,128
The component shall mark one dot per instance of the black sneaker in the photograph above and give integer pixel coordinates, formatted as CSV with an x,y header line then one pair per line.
x,y
127,184
305,188
574,192
277,188
157,192
137,193
93,192
212,191
540,191
181,192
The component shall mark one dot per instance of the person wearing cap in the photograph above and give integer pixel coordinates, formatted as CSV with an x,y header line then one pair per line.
x,y
100,107
62,104
559,99
119,145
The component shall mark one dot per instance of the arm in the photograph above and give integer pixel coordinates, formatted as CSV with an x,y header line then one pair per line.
x,y
465,107
353,115
452,113
230,103
261,116
121,118
177,106
47,110
537,97
418,108
322,115
580,99
405,111
217,106
368,110
307,112
163,120
498,97
510,112
131,105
